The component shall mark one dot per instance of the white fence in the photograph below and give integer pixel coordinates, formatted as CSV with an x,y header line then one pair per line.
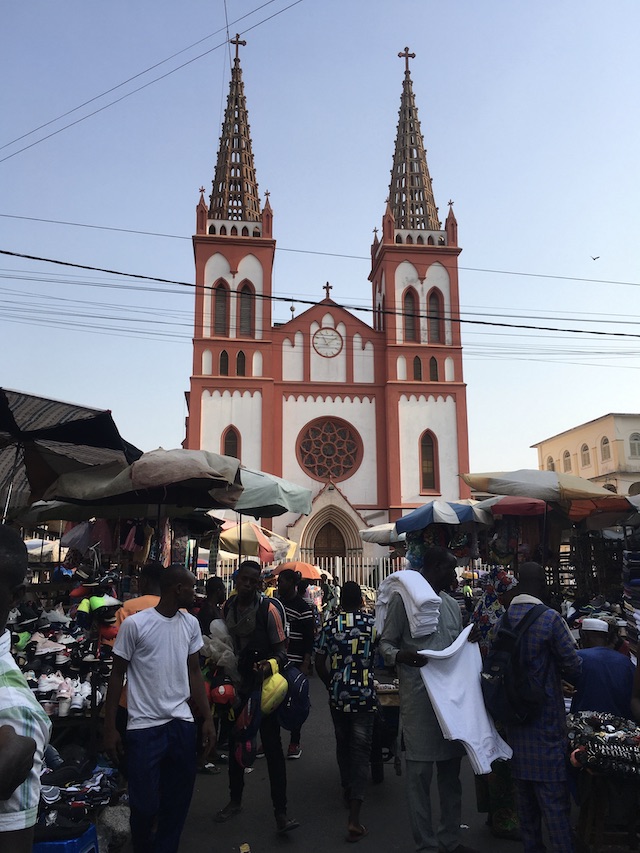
x,y
366,572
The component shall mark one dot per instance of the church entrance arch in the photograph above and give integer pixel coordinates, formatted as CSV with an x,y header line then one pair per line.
x,y
329,543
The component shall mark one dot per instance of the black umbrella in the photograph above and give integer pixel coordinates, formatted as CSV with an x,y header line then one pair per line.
x,y
40,439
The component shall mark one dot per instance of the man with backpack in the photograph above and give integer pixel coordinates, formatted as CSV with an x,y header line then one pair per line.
x,y
257,626
548,653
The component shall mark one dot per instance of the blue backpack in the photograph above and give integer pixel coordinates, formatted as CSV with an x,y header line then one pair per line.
x,y
294,711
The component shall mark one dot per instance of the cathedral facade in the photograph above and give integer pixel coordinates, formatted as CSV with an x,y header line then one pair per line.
x,y
372,418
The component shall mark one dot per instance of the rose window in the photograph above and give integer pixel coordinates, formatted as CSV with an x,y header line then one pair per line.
x,y
329,449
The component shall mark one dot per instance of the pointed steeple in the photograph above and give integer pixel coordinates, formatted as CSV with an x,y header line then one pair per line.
x,y
235,190
410,193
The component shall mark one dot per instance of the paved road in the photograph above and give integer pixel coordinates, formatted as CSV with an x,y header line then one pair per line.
x,y
315,800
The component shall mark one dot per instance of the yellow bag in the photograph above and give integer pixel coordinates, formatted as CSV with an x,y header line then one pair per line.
x,y
274,689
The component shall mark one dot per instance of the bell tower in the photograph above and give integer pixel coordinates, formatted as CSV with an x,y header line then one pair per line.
x,y
414,276
234,251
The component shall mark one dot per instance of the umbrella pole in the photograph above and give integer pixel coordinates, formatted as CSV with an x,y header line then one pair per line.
x,y
10,489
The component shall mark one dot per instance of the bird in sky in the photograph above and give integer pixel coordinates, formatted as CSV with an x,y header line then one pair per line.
x,y
596,257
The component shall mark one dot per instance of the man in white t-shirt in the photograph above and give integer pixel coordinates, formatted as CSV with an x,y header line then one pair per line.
x,y
157,649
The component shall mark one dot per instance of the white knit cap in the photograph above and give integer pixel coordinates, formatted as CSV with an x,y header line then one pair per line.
x,y
595,625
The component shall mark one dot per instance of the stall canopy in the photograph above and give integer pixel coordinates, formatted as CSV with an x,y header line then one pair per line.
x,y
443,512
577,496
40,439
251,540
187,478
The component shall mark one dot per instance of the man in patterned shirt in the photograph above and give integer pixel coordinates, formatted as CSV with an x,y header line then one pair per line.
x,y
539,747
347,641
23,724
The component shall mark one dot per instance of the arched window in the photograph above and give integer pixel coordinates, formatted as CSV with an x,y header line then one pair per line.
x,y
231,443
383,318
410,315
221,309
247,300
224,363
212,229
429,474
433,369
634,444
605,449
241,364
585,456
436,321
417,369
550,465
566,462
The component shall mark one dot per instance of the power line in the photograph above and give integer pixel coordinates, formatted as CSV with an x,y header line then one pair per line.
x,y
313,302
140,88
516,273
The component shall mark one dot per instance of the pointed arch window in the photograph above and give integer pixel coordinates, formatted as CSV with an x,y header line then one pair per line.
x,y
383,318
221,309
566,462
241,364
434,308
247,307
550,464
585,456
433,369
224,363
429,469
417,369
231,443
410,315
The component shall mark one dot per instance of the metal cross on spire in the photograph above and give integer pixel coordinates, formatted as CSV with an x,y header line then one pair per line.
x,y
407,56
237,41
327,288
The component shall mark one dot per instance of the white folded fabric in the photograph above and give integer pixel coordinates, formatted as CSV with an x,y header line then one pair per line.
x,y
420,601
452,679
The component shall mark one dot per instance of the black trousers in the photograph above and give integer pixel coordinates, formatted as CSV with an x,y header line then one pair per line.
x,y
276,765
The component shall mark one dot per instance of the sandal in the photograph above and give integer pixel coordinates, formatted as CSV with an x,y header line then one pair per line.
x,y
225,814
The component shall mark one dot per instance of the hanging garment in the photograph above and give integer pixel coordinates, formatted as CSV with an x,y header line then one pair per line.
x,y
452,679
420,602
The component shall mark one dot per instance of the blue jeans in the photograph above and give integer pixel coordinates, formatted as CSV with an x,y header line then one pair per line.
x,y
354,733
162,772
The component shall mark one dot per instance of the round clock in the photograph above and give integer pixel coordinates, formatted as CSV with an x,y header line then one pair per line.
x,y
327,342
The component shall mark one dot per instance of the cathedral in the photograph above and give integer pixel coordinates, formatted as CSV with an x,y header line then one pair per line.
x,y
372,418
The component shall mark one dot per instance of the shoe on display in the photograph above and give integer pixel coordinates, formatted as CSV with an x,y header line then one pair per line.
x,y
13,617
63,657
65,639
294,751
47,647
77,703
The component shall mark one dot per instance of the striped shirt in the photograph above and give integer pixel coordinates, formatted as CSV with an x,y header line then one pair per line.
x,y
301,626
20,710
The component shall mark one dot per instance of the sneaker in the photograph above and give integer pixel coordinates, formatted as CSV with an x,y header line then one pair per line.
x,y
260,752
294,751
63,657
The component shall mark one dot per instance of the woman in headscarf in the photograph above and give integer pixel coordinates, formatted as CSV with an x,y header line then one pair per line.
x,y
495,793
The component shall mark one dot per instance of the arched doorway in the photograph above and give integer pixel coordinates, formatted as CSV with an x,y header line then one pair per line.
x,y
329,542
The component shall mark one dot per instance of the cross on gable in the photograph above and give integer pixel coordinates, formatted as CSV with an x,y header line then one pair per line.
x,y
327,288
237,41
407,56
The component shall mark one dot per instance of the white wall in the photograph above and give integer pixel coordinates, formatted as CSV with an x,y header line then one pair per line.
x,y
328,369
243,410
415,415
363,361
293,358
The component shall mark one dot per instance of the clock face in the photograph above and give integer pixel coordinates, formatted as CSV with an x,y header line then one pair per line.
x,y
327,342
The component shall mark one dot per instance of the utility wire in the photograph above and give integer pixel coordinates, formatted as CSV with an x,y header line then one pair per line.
x,y
346,307
140,88
553,276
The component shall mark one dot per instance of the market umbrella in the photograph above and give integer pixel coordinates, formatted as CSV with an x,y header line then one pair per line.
x,y
512,505
265,495
443,512
186,478
579,497
50,512
382,534
40,439
306,569
251,540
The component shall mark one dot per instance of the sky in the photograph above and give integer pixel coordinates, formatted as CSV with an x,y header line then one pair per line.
x,y
530,117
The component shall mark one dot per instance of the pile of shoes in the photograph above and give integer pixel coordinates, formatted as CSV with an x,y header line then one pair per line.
x,y
604,743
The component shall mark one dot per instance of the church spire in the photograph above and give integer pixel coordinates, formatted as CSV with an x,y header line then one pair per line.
x,y
235,190
410,193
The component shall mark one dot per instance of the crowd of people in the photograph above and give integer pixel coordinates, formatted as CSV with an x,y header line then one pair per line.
x,y
191,676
